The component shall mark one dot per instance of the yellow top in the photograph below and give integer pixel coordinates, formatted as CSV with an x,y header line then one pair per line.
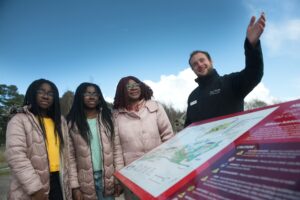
x,y
52,145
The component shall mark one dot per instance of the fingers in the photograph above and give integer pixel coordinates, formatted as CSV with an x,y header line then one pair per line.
x,y
263,16
261,20
252,20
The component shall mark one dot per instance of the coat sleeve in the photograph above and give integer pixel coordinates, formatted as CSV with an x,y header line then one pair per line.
x,y
164,125
118,153
187,118
16,156
244,82
73,176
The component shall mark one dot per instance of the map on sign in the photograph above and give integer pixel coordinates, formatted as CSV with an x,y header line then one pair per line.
x,y
167,164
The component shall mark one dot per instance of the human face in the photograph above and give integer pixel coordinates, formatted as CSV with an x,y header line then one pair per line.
x,y
91,97
201,65
134,90
44,96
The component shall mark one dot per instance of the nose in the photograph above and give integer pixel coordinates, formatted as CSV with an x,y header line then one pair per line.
x,y
45,96
133,89
199,64
92,97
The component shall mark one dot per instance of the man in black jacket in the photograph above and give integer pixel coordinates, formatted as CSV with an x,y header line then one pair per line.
x,y
221,95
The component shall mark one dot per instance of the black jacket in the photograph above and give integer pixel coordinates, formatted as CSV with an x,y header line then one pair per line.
x,y
221,95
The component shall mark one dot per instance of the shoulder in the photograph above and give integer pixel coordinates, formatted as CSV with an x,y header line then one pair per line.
x,y
115,113
153,105
193,93
19,117
19,120
232,77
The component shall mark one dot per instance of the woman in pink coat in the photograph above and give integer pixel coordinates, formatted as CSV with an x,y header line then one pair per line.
x,y
92,133
141,123
37,147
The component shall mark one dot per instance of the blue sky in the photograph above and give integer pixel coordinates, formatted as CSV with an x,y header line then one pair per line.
x,y
101,41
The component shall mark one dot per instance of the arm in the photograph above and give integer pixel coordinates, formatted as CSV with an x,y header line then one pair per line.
x,y
243,82
118,156
16,156
118,153
73,176
187,118
72,162
164,125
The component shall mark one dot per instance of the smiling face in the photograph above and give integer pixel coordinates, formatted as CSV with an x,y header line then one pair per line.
x,y
133,90
200,64
44,97
91,97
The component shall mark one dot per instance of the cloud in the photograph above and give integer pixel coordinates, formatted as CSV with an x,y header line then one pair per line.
x,y
262,93
109,99
283,35
282,32
174,90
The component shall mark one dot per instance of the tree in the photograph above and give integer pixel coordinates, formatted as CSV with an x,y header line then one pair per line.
x,y
9,96
176,117
255,103
66,102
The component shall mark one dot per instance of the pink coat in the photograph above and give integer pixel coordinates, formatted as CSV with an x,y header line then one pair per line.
x,y
82,167
27,157
138,133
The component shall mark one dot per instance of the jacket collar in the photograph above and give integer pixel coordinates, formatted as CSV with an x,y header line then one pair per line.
x,y
149,104
205,80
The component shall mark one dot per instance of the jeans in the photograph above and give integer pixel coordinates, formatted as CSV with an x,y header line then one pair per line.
x,y
55,188
99,186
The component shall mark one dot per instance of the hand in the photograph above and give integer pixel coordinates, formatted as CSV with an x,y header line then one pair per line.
x,y
255,29
118,190
76,194
39,195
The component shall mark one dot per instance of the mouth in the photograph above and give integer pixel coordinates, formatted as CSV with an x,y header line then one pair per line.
x,y
44,102
92,103
134,93
202,70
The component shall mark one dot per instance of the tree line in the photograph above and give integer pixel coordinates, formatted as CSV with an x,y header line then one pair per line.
x,y
10,97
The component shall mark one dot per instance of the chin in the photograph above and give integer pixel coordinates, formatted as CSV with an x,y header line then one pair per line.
x,y
202,74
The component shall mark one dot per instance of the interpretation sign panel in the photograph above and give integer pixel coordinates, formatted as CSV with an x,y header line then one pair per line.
x,y
251,155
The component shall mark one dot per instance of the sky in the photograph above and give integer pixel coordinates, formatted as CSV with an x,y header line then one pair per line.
x,y
101,41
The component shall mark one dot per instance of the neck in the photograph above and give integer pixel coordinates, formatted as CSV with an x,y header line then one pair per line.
x,y
135,105
44,113
91,113
133,102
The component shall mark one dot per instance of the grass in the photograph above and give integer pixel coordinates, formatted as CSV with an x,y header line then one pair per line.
x,y
2,158
3,165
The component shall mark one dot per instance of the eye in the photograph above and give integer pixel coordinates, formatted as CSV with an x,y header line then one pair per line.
x,y
202,60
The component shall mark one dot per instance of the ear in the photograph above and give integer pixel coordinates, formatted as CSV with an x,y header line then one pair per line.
x,y
212,63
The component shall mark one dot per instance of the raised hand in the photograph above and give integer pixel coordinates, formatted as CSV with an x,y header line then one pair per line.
x,y
256,28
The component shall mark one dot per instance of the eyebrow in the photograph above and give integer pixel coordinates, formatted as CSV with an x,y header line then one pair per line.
x,y
44,90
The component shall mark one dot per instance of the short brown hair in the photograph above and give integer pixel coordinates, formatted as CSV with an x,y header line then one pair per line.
x,y
199,51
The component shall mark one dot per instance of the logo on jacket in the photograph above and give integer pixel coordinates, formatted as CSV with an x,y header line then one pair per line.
x,y
193,102
214,92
